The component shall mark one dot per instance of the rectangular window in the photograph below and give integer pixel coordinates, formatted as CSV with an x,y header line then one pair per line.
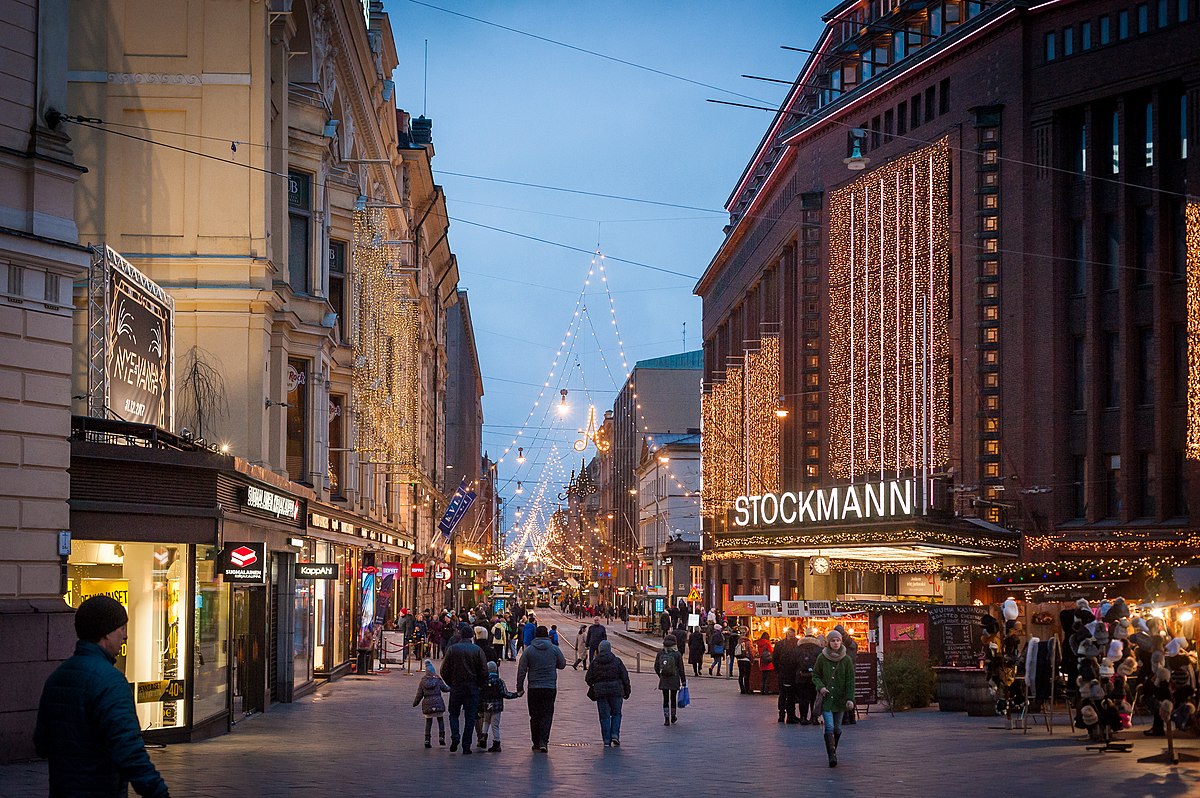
x,y
1145,365
1105,33
1112,253
902,119
337,287
1112,486
1123,25
1085,35
915,105
1080,375
297,420
1179,364
1051,39
1114,133
299,231
1183,10
929,99
1148,129
935,24
337,440
1162,13
1143,18
876,129
1079,492
1147,485
889,125
944,96
898,48
1068,39
1078,253
1112,368
1181,485
1145,245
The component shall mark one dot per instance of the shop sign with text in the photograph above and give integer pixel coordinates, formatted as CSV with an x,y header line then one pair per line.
x,y
861,502
244,563
316,570
274,503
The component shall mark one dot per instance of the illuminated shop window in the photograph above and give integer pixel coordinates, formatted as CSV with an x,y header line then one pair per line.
x,y
153,583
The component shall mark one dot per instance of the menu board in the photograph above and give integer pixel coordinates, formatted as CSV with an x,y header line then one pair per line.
x,y
954,634
866,678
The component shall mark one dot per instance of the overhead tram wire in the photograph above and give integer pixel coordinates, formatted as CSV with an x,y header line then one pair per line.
x,y
580,192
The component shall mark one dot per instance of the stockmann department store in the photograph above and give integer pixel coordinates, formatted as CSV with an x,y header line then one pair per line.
x,y
882,540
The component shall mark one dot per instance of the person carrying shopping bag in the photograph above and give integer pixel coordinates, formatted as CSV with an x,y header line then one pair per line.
x,y
833,676
668,664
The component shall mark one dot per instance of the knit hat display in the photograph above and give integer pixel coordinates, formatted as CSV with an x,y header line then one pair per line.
x,y
98,616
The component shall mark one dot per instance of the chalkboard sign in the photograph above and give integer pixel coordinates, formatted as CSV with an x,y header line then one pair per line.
x,y
866,678
954,633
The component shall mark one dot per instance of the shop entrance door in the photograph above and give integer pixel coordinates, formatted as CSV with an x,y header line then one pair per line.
x,y
249,649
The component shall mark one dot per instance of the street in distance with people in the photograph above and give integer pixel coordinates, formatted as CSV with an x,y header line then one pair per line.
x,y
400,397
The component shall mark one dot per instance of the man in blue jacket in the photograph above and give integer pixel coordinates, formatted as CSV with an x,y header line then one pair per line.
x,y
87,725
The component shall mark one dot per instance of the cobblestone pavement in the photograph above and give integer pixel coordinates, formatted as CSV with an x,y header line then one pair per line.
x,y
361,736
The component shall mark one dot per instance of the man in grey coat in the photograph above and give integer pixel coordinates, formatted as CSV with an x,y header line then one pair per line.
x,y
540,662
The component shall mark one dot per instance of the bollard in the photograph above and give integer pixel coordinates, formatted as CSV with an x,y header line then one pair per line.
x,y
639,662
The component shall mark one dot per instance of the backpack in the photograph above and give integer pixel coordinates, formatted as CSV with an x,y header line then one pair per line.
x,y
666,665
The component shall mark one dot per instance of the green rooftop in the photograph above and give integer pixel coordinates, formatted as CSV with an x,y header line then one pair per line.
x,y
683,360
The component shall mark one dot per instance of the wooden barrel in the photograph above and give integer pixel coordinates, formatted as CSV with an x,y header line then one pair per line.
x,y
950,693
977,695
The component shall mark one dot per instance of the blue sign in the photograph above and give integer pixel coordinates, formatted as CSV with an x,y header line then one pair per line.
x,y
658,605
459,504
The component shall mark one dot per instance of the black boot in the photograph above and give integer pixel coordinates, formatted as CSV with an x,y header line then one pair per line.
x,y
427,743
780,717
837,738
831,750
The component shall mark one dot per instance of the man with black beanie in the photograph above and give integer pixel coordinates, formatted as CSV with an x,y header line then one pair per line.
x,y
87,725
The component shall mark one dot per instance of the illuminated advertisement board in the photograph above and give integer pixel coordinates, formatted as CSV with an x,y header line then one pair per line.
x,y
139,363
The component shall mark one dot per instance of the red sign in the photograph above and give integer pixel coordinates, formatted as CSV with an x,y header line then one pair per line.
x,y
417,569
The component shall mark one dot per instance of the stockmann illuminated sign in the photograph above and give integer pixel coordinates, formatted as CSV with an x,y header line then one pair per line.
x,y
862,502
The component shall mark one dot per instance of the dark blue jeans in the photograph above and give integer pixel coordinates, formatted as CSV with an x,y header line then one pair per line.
x,y
466,699
609,708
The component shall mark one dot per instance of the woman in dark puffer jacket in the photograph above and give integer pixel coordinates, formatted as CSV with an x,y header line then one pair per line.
x,y
608,679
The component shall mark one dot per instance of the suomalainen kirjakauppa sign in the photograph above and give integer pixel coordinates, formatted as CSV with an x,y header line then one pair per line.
x,y
865,501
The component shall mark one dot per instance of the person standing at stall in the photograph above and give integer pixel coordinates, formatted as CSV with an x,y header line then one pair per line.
x,y
743,654
833,676
766,661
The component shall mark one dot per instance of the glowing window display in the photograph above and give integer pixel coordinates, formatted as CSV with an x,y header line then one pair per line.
x,y
152,582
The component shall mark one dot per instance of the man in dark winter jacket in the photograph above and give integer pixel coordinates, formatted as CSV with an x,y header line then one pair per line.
x,y
540,662
465,670
808,649
787,666
595,633
87,726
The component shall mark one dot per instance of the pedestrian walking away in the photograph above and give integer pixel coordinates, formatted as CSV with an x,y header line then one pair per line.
x,y
787,663
465,670
608,685
833,676
491,707
668,664
87,726
429,697
540,662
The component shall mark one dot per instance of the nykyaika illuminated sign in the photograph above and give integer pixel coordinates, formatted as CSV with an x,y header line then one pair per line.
x,y
862,502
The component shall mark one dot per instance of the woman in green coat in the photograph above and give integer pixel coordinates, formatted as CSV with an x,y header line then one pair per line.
x,y
833,676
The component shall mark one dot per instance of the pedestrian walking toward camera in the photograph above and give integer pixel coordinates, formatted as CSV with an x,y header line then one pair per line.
x,y
668,664
716,648
491,705
580,648
595,633
696,650
87,726
806,694
851,646
465,670
833,676
608,685
540,662
429,697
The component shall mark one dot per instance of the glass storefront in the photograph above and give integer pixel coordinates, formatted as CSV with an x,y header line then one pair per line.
x,y
210,693
333,607
302,628
153,582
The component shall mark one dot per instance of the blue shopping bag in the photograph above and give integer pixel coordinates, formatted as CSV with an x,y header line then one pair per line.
x,y
685,697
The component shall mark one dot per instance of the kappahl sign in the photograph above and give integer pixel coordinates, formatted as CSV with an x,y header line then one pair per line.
x,y
862,502
244,562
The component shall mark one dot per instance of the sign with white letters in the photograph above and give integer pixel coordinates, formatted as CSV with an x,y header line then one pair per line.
x,y
861,502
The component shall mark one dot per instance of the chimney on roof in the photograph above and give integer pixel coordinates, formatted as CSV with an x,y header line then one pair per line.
x,y
421,130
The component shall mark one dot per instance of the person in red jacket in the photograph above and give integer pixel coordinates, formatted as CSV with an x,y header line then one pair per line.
x,y
766,661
